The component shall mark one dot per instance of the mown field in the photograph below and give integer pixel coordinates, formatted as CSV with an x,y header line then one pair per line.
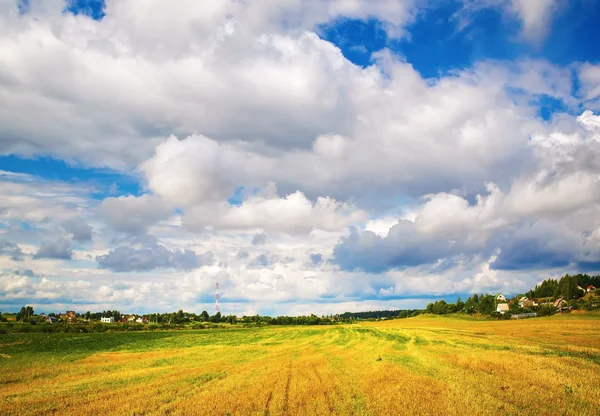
x,y
423,365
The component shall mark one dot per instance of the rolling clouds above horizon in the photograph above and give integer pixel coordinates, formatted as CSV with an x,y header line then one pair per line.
x,y
310,156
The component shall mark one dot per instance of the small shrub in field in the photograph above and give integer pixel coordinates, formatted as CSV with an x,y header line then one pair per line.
x,y
97,327
46,329
546,310
500,316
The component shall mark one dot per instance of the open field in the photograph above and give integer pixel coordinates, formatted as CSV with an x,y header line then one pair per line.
x,y
423,365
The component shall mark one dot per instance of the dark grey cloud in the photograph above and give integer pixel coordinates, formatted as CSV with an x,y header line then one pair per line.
x,y
529,254
259,239
524,246
121,286
266,260
544,245
242,254
58,249
8,248
79,229
26,272
316,259
261,261
133,215
403,247
129,259
286,260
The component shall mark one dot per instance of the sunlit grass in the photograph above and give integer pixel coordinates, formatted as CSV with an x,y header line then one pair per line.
x,y
424,365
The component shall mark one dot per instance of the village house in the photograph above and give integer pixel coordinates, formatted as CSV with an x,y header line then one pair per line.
x,y
50,320
590,288
108,320
525,302
560,304
142,320
131,318
502,308
70,316
500,298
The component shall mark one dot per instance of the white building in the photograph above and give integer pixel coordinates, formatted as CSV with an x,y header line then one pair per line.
x,y
502,308
522,301
500,298
528,303
107,320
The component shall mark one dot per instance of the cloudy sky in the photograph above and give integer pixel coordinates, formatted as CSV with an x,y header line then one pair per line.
x,y
309,155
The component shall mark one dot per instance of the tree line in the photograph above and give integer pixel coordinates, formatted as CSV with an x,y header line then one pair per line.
x,y
569,287
397,313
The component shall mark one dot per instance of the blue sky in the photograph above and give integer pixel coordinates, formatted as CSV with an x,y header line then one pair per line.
x,y
107,182
438,44
417,147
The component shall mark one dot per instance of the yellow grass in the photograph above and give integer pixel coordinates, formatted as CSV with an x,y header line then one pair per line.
x,y
428,365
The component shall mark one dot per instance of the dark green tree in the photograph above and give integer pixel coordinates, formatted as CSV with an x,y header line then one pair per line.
x,y
545,289
204,316
568,287
25,313
179,316
486,305
439,307
216,317
460,305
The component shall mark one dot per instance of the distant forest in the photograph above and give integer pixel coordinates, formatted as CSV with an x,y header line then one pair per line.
x,y
398,313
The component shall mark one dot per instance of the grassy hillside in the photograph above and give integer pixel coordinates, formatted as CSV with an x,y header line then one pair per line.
x,y
423,365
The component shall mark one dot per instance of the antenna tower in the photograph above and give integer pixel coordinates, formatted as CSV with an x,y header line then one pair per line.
x,y
217,309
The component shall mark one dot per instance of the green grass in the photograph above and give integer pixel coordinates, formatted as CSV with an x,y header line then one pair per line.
x,y
67,347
